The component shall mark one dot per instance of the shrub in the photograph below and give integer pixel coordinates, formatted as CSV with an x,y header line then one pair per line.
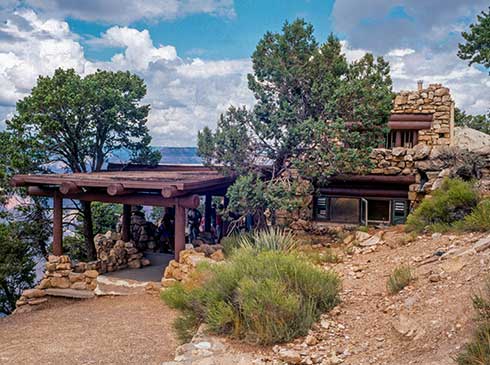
x,y
479,218
454,200
478,350
400,278
271,239
259,296
317,257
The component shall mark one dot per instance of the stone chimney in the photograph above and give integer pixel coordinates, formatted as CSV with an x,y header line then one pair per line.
x,y
420,85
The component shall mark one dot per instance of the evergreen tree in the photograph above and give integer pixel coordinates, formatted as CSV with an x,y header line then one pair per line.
x,y
476,48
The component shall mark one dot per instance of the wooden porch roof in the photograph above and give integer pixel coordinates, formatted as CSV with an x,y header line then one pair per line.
x,y
170,182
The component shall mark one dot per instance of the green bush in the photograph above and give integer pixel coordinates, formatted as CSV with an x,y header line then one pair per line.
x,y
452,202
479,218
271,239
258,296
478,350
317,257
400,278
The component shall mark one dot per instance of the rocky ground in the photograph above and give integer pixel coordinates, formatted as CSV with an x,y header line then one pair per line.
x,y
426,323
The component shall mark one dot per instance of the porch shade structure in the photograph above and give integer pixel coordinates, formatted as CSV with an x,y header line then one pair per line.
x,y
177,186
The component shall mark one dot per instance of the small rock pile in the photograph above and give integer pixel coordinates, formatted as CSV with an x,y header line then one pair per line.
x,y
115,254
188,260
60,274
66,275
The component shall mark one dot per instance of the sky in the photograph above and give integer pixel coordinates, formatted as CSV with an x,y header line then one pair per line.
x,y
194,55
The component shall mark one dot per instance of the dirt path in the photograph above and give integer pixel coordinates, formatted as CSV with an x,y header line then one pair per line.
x,y
107,330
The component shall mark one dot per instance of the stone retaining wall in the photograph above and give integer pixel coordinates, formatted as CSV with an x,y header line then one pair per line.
x,y
62,273
188,260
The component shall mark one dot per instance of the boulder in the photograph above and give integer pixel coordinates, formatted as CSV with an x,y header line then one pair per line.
x,y
291,357
421,151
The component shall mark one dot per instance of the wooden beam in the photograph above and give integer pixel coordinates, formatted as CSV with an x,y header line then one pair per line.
x,y
415,117
69,187
126,223
17,181
57,224
383,179
179,230
360,192
189,201
409,125
171,191
118,189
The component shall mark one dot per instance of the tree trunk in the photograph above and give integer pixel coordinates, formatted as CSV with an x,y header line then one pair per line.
x,y
88,230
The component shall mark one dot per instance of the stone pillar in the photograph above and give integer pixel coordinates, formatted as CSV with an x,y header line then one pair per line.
x,y
179,230
126,223
57,224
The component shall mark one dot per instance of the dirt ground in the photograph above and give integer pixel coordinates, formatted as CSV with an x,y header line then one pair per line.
x,y
106,330
426,323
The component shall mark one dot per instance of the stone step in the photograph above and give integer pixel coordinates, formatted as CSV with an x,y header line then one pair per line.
x,y
70,293
108,285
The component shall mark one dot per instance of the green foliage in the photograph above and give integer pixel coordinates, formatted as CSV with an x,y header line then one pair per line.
x,y
476,48
477,351
305,94
479,218
80,122
270,239
105,216
454,200
16,266
73,246
480,122
400,278
317,257
259,296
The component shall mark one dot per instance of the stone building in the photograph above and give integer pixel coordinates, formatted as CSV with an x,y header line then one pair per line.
x,y
418,153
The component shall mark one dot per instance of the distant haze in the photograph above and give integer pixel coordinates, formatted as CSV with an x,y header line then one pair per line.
x,y
170,155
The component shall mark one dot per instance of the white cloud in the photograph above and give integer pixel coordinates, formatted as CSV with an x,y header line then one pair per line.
x,y
128,11
139,50
185,94
400,52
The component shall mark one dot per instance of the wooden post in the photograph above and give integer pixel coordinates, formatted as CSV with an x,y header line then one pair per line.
x,y
126,223
179,230
207,212
398,142
57,224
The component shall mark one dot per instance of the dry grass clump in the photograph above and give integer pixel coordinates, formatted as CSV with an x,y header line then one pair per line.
x,y
477,351
400,278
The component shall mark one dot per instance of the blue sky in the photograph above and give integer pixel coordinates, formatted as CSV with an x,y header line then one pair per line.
x,y
194,55
212,37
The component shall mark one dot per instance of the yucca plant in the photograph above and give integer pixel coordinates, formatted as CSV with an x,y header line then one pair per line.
x,y
271,239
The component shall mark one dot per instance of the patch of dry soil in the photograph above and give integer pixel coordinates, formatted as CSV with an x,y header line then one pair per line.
x,y
106,330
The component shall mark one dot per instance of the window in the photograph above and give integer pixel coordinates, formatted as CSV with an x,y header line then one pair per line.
x,y
401,138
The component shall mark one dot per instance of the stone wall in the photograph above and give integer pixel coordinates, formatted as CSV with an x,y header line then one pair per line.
x,y
435,100
61,273
188,260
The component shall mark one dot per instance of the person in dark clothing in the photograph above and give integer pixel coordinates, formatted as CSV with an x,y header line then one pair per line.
x,y
194,220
